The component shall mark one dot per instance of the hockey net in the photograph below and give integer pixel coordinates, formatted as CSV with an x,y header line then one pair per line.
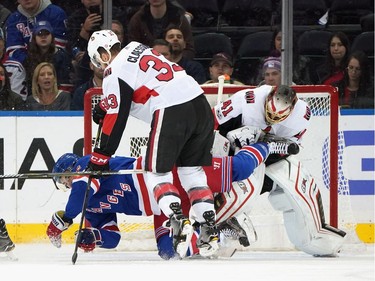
x,y
321,154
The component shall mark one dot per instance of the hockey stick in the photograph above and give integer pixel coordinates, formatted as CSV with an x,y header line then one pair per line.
x,y
221,79
85,202
47,175
83,214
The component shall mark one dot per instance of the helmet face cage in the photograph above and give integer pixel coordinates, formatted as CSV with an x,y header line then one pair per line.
x,y
64,164
101,39
279,104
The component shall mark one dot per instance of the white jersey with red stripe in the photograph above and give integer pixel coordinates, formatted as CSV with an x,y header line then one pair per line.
x,y
247,108
149,79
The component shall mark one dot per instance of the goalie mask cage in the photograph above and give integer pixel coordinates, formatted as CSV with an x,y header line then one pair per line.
x,y
321,154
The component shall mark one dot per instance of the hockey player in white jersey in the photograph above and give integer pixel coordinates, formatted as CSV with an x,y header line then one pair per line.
x,y
278,113
140,82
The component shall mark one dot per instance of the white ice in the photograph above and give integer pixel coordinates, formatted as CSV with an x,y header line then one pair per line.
x,y
44,262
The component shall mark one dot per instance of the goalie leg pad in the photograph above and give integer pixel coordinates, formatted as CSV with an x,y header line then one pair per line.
x,y
242,196
297,195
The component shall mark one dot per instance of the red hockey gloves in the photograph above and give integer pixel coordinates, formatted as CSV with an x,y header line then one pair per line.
x,y
90,237
57,225
98,114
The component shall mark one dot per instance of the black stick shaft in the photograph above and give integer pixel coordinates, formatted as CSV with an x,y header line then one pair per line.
x,y
83,213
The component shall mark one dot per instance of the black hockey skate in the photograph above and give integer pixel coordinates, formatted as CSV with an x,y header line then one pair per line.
x,y
208,236
181,230
6,244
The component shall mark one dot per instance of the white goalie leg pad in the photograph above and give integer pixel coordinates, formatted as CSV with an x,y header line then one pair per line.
x,y
297,195
242,196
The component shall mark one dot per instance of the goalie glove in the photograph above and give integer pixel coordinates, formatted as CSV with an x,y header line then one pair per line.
x,y
57,225
90,237
245,135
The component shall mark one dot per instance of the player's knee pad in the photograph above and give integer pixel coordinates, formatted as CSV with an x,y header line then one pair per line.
x,y
242,196
297,195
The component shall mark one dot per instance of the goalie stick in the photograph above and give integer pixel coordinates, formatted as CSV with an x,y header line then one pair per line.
x,y
220,89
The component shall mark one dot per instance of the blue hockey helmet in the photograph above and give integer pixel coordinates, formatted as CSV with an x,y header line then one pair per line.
x,y
64,164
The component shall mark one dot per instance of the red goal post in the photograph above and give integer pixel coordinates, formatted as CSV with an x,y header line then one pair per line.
x,y
323,100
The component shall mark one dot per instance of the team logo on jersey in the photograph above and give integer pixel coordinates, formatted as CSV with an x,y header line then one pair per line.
x,y
107,72
250,97
219,115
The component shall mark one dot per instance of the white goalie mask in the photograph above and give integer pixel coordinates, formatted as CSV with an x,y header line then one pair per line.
x,y
280,103
101,39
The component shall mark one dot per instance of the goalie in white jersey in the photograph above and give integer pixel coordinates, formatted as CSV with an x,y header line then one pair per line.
x,y
138,81
278,113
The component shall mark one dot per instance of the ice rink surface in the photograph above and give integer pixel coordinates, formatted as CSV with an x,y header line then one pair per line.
x,y
45,262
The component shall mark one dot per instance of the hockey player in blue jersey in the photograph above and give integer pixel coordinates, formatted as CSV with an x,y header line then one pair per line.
x,y
129,195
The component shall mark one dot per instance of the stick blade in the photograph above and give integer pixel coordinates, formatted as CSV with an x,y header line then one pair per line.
x,y
74,258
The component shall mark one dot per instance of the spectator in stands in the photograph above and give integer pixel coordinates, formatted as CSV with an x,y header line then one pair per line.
x,y
80,25
152,20
42,48
4,14
356,89
333,69
19,28
221,64
45,94
2,45
271,71
118,29
302,65
176,38
163,47
79,93
9,100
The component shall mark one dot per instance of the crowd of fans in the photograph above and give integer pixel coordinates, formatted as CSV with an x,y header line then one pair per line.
x,y
45,65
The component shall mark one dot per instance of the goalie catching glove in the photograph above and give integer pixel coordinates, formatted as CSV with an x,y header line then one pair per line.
x,y
89,239
57,225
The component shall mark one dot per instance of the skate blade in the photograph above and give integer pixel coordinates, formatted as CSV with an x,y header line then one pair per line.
x,y
209,249
182,247
9,256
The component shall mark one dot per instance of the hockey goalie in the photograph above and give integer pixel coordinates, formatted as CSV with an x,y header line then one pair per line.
x,y
268,113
